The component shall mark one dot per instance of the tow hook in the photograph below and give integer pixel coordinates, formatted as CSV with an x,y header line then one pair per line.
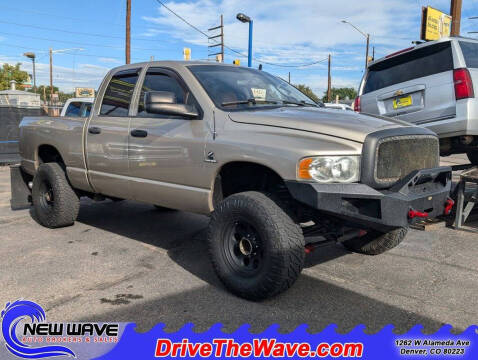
x,y
414,213
448,206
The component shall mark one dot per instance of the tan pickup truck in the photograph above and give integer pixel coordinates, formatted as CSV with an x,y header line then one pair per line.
x,y
276,171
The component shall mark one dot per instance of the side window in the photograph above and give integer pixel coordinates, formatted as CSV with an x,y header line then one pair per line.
x,y
118,94
157,80
419,63
74,109
470,53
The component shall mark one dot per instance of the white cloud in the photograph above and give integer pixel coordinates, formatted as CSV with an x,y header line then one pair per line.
x,y
82,75
107,60
290,31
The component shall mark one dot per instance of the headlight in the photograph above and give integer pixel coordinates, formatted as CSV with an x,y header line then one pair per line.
x,y
329,169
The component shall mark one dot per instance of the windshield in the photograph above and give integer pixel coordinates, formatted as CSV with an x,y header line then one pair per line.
x,y
241,88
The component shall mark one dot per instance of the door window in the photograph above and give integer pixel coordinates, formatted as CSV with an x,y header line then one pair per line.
x,y
157,80
470,53
418,63
118,94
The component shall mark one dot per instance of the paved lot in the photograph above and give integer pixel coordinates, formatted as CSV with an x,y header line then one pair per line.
x,y
127,262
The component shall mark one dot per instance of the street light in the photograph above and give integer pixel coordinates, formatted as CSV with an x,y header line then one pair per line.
x,y
51,66
367,36
32,56
246,19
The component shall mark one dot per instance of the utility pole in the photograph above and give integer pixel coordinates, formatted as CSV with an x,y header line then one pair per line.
x,y
222,39
128,31
329,85
366,51
51,75
455,12
216,36
289,77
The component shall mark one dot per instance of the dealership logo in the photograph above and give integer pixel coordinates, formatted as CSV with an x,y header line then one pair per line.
x,y
11,317
24,329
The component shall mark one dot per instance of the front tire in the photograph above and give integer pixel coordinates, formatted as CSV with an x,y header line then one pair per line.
x,y
55,202
473,156
256,250
375,242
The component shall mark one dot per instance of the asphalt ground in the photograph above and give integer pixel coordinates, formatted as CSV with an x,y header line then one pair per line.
x,y
126,261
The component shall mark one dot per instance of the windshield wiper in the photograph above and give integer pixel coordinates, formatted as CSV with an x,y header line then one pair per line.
x,y
302,103
251,101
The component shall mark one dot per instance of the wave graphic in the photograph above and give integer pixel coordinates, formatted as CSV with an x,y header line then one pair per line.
x,y
21,310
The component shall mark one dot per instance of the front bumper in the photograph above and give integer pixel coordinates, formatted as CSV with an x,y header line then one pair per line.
x,y
362,206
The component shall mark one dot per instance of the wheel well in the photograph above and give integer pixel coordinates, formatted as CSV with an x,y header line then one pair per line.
x,y
240,176
48,153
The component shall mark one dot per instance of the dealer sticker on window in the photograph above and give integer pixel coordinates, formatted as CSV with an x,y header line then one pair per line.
x,y
259,94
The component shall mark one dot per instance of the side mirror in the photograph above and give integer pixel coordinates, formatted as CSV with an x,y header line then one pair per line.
x,y
164,102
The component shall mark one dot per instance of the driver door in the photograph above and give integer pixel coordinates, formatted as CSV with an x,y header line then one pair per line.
x,y
165,152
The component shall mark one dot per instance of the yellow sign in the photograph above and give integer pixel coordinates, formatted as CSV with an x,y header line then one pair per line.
x,y
402,102
187,54
236,62
84,92
435,24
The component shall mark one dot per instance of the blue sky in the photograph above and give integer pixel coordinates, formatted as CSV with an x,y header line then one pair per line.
x,y
285,32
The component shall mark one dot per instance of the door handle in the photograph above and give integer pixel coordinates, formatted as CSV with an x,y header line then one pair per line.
x,y
94,130
139,133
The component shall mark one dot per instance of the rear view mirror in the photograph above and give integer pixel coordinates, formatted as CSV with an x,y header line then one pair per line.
x,y
164,102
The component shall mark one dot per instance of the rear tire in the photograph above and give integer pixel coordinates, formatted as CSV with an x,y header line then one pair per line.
x,y
375,242
473,156
256,250
54,201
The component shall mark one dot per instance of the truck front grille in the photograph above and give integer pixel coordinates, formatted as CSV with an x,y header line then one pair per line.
x,y
398,156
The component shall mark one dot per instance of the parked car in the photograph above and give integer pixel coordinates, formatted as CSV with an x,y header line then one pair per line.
x,y
430,85
338,106
80,107
267,163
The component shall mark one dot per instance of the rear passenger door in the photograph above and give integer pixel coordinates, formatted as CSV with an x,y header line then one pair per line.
x,y
107,136
416,86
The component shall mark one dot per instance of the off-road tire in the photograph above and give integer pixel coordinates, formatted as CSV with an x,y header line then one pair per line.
x,y
374,242
281,245
473,156
65,205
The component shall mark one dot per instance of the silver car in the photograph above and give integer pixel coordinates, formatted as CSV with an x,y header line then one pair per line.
x,y
430,85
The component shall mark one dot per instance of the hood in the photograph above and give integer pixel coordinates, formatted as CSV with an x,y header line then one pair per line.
x,y
345,124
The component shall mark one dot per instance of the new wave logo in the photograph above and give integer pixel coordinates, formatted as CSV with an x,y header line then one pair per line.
x,y
23,310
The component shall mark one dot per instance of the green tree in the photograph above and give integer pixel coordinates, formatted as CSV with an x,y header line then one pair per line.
x,y
343,93
12,72
44,92
306,90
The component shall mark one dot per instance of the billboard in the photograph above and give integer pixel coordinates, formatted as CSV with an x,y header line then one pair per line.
x,y
84,92
435,24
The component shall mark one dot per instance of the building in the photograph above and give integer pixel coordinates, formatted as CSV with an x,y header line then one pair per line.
x,y
14,105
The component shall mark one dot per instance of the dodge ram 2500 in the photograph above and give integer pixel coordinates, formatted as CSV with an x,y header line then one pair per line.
x,y
269,166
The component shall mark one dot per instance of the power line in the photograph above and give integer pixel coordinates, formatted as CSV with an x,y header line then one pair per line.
x,y
73,42
72,32
61,16
231,49
183,19
66,53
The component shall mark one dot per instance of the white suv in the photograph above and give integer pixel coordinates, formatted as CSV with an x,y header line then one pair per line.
x,y
431,85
